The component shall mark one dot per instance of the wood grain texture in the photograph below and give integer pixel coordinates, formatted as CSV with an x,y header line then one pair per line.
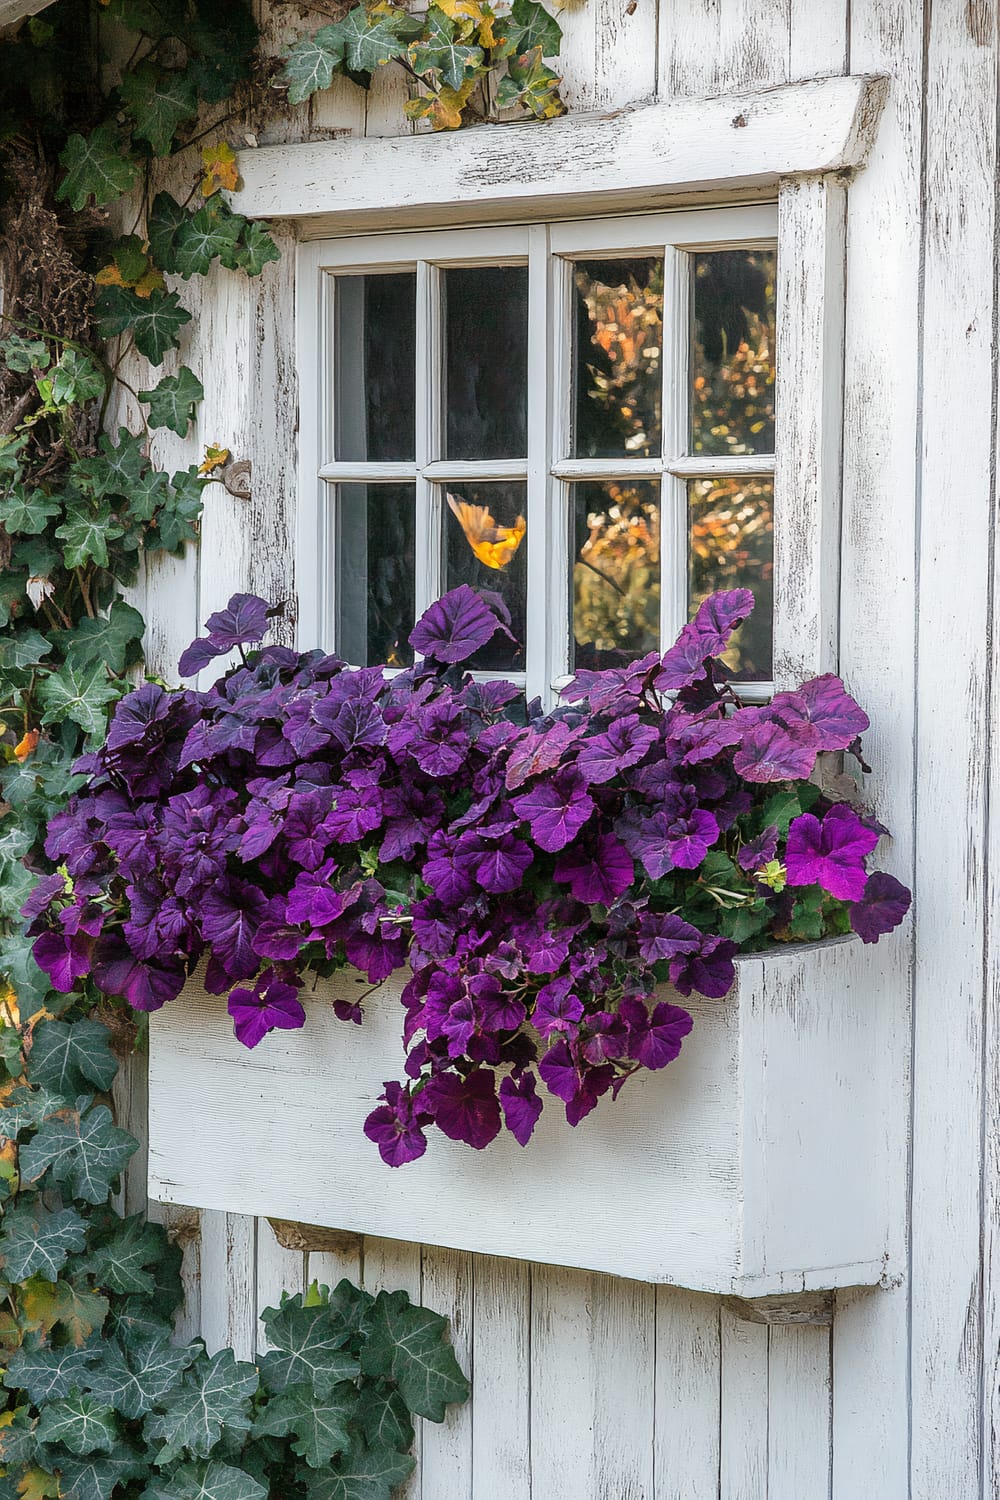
x,y
608,55
687,1418
743,1449
446,1454
277,1270
229,1283
501,1427
799,1409
640,159
709,46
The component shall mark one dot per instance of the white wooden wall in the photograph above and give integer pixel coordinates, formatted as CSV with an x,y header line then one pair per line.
x,y
589,1388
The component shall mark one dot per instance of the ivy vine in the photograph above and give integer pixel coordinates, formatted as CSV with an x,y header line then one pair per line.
x,y
98,1401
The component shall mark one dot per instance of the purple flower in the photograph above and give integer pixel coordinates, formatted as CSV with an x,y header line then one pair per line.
x,y
500,866
556,810
466,1109
146,986
230,915
455,627
521,1105
256,1012
882,907
830,854
597,873
833,712
539,750
556,1007
139,717
624,743
759,851
706,636
663,936
64,958
773,752
658,1041
709,971
244,619
394,1128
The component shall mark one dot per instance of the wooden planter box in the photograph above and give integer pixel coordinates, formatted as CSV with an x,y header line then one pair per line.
x,y
752,1165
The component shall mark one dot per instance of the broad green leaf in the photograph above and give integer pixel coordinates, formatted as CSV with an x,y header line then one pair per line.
x,y
215,1394
158,102
17,961
154,321
372,38
38,1484
17,1437
48,1374
86,532
255,249
172,402
308,1346
529,25
37,1242
165,219
385,1420
110,640
24,354
135,1378
116,468
23,648
120,1263
46,1305
27,1108
212,231
99,1476
96,168
360,1475
206,1481
176,522
531,85
11,453
85,1152
13,598
148,494
27,512
34,554
80,1423
78,694
319,1424
71,1057
438,48
311,63
406,1344
15,841
74,381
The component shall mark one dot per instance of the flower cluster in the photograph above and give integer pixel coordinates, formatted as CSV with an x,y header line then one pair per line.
x,y
541,873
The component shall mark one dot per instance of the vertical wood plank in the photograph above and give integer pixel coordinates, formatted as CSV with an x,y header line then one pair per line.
x,y
707,46
958,322
446,1447
799,1396
393,1265
229,1282
278,1270
501,1428
608,53
870,1337
184,1227
818,40
688,1383
130,1100
743,1456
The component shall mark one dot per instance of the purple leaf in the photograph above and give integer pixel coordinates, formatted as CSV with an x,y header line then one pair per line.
x,y
883,905
598,873
665,935
136,714
759,851
466,1109
624,744
455,627
230,916
556,810
833,712
709,971
556,1008
661,1040
521,1105
394,1128
244,619
773,752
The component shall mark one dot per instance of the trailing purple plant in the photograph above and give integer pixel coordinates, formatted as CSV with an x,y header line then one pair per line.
x,y
542,874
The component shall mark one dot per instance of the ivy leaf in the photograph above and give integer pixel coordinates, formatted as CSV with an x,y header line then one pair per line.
x,y
360,1475
35,555
308,1347
74,381
86,532
371,38
319,1424
530,25
208,1481
405,1344
79,695
212,231
99,1476
48,1374
531,85
36,1242
216,1394
96,168
438,48
311,63
23,648
219,169
443,109
162,225
119,1265
27,512
158,102
24,355
38,1484
85,1152
385,1420
173,401
110,641
136,1377
70,1057
80,1423
255,249
154,320
115,469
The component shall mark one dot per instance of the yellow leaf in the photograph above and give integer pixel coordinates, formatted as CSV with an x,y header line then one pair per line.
x,y
26,745
44,1304
37,1485
152,281
220,169
443,109
10,1014
215,458
109,276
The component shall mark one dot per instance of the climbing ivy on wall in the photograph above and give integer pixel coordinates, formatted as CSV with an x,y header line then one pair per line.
x,y
97,1401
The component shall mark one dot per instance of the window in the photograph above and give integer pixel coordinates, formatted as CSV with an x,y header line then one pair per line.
x,y
576,418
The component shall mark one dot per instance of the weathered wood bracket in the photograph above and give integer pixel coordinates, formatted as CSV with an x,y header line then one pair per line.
x,y
293,1236
237,478
798,1307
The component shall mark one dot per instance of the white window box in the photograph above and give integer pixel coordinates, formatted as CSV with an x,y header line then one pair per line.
x,y
752,1165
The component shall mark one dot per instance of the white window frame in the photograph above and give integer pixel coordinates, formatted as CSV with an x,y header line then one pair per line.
x,y
548,250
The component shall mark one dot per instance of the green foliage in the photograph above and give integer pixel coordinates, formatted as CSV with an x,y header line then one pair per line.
x,y
172,402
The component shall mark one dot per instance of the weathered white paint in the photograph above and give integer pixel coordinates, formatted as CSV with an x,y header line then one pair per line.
x,y
16,10
626,159
742,1154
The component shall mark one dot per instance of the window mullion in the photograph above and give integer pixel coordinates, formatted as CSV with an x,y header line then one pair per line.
x,y
542,627
674,539
428,560
559,346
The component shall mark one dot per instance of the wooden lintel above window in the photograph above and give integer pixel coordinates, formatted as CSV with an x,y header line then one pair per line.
x,y
652,156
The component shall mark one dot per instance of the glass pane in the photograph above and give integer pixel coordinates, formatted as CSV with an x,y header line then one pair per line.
x,y
486,361
375,343
619,343
732,547
616,571
375,571
732,362
485,547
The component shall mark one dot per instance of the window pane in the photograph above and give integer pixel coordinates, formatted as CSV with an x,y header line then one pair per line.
x,y
485,547
732,547
732,364
375,570
619,343
375,353
616,571
486,362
